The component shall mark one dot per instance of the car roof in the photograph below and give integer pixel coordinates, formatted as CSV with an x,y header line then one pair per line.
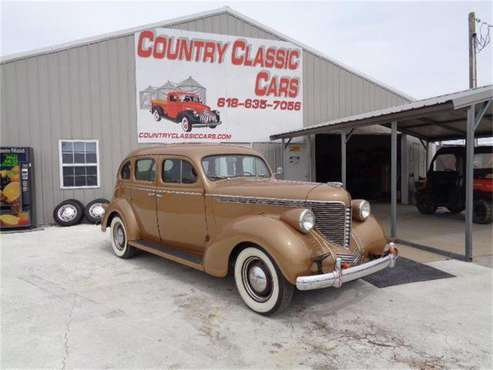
x,y
193,151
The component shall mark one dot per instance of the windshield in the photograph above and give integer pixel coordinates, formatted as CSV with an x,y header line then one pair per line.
x,y
191,98
483,161
483,165
218,167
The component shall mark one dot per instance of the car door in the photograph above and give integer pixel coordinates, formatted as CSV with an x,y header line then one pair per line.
x,y
144,197
172,106
181,206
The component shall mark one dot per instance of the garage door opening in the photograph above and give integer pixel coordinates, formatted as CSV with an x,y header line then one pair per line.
x,y
368,164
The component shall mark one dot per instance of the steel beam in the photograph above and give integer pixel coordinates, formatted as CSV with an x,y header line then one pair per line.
x,y
481,113
283,149
469,180
343,158
393,181
404,170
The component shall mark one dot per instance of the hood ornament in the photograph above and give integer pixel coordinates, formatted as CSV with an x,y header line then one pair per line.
x,y
335,184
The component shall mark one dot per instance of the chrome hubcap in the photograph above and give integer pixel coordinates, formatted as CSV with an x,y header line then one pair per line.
x,y
257,279
119,237
67,213
96,210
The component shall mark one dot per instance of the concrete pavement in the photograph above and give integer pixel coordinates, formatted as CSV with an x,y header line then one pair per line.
x,y
68,302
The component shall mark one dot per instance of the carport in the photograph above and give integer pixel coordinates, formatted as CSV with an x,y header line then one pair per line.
x,y
461,115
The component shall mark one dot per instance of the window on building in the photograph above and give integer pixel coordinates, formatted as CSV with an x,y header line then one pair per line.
x,y
79,164
125,171
145,169
178,171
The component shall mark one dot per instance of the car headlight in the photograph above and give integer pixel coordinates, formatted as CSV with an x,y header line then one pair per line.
x,y
306,221
301,219
361,209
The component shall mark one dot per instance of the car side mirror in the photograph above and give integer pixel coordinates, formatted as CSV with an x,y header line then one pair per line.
x,y
279,172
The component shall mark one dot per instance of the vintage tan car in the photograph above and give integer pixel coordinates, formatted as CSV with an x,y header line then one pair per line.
x,y
219,209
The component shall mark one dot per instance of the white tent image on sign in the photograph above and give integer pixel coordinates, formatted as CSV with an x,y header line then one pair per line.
x,y
192,86
164,89
146,96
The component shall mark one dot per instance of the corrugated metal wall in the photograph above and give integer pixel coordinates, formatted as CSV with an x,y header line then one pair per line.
x,y
88,92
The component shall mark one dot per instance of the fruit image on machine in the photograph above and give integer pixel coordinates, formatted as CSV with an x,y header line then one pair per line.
x,y
16,188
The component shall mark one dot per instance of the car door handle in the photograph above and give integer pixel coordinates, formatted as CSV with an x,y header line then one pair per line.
x,y
151,194
159,195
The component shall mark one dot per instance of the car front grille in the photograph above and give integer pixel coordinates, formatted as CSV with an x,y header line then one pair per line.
x,y
208,117
333,220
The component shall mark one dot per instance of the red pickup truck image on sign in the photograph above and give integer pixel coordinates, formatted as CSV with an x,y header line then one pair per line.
x,y
186,109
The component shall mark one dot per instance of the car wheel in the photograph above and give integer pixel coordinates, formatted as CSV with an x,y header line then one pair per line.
x,y
119,240
424,204
68,213
261,285
185,124
482,212
157,115
94,210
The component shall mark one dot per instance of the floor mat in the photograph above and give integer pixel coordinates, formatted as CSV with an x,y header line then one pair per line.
x,y
405,271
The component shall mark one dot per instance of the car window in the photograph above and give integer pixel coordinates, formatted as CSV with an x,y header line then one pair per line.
x,y
445,162
125,171
178,171
145,169
188,175
219,167
483,160
171,171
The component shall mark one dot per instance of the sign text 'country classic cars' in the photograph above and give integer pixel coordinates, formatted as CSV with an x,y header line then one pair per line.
x,y
222,87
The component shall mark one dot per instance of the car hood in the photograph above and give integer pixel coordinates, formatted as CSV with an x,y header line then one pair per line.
x,y
280,189
199,107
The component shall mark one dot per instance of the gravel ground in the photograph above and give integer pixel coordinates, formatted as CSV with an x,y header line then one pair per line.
x,y
67,302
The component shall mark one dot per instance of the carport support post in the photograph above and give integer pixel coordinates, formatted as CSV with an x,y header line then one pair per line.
x,y
469,180
393,181
343,158
283,141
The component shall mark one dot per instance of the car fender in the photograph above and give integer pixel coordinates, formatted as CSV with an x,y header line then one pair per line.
x,y
292,251
369,236
123,208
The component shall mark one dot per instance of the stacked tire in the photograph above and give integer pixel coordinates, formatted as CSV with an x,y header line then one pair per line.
x,y
71,212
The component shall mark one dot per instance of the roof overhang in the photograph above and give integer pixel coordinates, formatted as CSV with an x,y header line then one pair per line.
x,y
435,119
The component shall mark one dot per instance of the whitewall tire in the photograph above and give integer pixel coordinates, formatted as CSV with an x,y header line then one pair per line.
x,y
260,284
119,241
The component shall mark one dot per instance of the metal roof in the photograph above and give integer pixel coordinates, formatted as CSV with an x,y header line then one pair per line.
x,y
439,118
176,21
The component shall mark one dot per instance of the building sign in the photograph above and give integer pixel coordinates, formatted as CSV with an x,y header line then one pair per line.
x,y
201,87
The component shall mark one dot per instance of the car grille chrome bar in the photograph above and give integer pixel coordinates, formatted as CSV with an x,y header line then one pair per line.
x,y
207,117
333,220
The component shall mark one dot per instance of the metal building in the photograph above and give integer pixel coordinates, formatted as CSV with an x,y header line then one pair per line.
x,y
84,93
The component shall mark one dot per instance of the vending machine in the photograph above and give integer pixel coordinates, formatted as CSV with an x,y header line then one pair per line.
x,y
16,190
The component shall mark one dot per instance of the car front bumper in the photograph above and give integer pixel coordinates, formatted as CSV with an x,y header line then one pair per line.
x,y
340,276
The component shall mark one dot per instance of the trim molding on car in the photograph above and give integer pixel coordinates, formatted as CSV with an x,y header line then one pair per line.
x,y
239,199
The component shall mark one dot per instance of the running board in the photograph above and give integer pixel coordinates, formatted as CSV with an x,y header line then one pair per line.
x,y
170,253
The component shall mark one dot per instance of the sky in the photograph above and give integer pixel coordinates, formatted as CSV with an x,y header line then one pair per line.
x,y
419,48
